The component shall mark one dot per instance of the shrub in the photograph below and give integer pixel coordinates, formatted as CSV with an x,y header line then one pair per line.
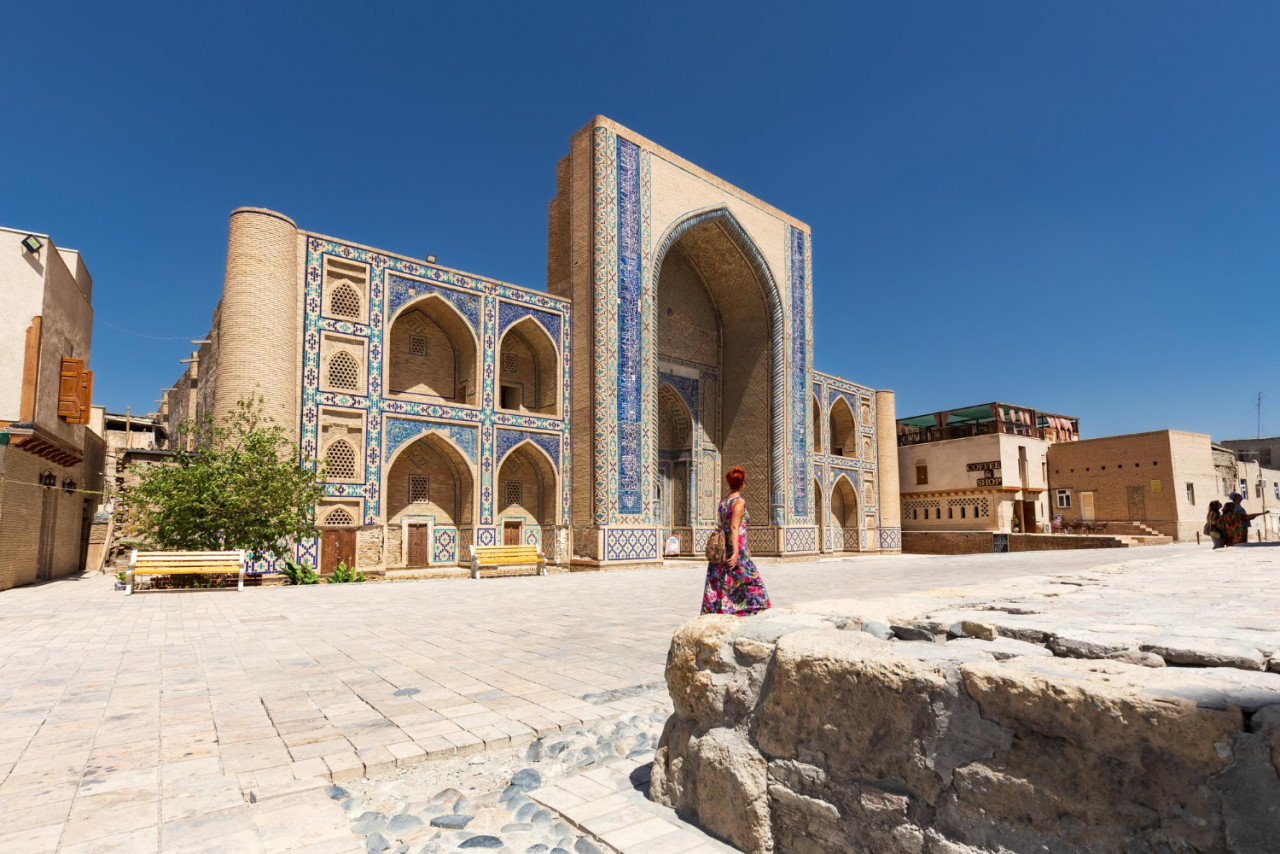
x,y
342,574
300,573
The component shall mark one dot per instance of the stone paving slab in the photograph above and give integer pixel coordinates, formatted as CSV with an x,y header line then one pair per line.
x,y
149,722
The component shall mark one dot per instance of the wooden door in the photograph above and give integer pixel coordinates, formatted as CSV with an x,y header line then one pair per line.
x,y
511,533
419,550
1086,506
1137,502
1029,517
337,545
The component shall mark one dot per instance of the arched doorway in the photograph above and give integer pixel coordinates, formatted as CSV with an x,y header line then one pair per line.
x,y
843,438
717,317
431,352
844,515
528,368
820,511
428,496
675,458
527,491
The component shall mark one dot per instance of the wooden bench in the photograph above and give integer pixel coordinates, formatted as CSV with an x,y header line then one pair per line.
x,y
484,557
184,563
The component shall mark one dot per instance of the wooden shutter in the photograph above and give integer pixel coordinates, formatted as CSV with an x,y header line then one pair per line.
x,y
86,396
69,389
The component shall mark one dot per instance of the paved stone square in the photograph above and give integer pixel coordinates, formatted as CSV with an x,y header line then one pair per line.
x,y
215,720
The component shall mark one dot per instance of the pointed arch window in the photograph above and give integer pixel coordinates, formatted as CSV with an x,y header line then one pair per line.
x,y
344,301
339,516
344,372
341,461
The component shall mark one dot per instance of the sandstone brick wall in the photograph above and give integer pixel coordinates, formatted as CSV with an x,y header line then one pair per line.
x,y
948,542
887,459
257,353
23,504
1139,477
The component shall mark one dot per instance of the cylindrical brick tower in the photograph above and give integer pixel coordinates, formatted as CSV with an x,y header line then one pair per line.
x,y
887,463
257,335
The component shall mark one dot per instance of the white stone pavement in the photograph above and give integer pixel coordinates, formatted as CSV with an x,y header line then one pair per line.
x,y
213,720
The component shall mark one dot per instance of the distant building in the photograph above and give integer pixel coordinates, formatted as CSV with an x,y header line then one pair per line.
x,y
50,460
978,468
1160,481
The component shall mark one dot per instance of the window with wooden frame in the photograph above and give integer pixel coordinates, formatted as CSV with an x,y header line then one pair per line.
x,y
75,391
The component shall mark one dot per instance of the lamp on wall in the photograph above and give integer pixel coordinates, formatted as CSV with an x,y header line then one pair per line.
x,y
431,259
32,244
68,486
48,479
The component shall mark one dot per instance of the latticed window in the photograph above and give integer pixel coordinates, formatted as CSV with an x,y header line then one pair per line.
x,y
344,301
509,363
417,345
338,516
343,371
419,488
513,492
341,459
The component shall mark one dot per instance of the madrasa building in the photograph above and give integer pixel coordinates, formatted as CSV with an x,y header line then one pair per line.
x,y
595,419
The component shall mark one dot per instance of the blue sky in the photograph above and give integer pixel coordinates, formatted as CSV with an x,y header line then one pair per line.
x,y
1067,206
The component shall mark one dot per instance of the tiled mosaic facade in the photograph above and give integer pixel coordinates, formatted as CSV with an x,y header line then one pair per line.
x,y
632,206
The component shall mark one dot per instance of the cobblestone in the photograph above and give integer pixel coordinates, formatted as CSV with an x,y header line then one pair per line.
x,y
283,692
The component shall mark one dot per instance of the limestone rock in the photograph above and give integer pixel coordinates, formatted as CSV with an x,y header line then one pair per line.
x,y
731,780
1001,648
1133,656
1205,652
982,631
697,666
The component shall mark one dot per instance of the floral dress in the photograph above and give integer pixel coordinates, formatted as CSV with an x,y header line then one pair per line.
x,y
734,589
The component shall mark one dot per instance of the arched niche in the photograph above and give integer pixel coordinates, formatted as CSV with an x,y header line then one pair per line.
x,y
842,435
429,478
431,352
528,370
526,492
845,514
675,458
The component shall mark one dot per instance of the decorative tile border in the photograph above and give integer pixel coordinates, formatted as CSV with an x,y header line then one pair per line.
x,y
632,544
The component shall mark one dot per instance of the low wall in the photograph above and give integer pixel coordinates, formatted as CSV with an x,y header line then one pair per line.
x,y
983,542
806,732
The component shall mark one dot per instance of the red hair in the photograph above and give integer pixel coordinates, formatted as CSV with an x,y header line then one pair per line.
x,y
736,477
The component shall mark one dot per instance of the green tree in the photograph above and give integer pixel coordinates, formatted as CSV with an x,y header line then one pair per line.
x,y
243,487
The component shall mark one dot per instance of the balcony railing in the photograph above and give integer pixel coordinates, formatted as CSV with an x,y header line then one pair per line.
x,y
921,435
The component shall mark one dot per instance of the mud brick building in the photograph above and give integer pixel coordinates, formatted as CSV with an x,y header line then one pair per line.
x,y
593,419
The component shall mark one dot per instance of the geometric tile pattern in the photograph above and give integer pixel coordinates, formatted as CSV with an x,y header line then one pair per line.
x,y
624,544
395,283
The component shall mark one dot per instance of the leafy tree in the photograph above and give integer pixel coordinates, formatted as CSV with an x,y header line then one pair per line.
x,y
243,487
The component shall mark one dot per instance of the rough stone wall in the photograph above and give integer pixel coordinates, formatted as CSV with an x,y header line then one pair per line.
x,y
803,732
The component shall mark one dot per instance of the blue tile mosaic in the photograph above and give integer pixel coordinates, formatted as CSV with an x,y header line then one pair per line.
x,y
629,326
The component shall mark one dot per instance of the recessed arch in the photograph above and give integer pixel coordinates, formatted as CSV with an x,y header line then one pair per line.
x,y
675,458
526,487
432,351
845,514
340,460
842,435
820,511
429,477
528,369
748,315
816,421
344,371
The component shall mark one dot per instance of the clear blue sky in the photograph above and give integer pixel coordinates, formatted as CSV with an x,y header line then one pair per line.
x,y
1071,206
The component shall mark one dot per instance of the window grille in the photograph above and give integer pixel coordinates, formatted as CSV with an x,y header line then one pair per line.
x,y
344,302
419,488
341,459
513,492
343,371
509,363
417,345
338,516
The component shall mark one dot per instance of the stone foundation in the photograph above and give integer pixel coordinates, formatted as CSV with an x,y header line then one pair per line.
x,y
858,726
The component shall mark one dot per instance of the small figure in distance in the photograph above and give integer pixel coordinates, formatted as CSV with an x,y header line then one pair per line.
x,y
1213,522
734,585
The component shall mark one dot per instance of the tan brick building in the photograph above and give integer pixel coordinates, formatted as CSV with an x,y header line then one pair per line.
x,y
1162,481
979,468
593,419
50,462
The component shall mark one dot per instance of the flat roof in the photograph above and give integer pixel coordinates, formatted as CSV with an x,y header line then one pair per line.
x,y
979,414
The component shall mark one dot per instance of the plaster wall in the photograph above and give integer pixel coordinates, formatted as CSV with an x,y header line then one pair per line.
x,y
22,278
67,331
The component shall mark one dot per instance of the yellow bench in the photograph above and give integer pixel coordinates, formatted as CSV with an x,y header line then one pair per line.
x,y
184,563
492,556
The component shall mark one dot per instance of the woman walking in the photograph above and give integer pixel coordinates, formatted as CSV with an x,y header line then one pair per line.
x,y
1213,524
734,585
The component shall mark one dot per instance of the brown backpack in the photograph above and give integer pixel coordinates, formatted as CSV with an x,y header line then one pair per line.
x,y
715,550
